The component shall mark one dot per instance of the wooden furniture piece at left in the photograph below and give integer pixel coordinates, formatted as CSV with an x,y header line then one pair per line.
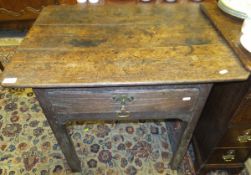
x,y
136,62
20,14
22,9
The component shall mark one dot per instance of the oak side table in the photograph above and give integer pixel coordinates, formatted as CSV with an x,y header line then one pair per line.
x,y
126,62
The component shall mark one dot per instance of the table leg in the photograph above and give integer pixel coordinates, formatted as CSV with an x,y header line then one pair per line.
x,y
182,146
60,132
188,129
66,145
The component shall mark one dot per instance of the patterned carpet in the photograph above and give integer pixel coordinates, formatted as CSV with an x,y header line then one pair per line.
x,y
28,146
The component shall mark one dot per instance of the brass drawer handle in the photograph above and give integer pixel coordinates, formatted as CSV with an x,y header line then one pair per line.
x,y
123,113
123,100
229,157
246,137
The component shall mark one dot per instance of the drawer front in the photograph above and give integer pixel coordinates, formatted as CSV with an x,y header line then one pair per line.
x,y
243,114
237,137
125,102
229,156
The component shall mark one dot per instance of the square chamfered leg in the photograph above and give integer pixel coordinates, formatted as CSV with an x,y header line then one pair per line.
x,y
123,103
188,129
66,144
60,132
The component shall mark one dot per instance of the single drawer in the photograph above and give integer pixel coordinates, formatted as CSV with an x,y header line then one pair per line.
x,y
243,114
237,137
124,102
229,156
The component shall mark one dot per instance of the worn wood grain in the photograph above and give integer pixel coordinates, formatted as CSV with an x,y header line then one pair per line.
x,y
119,15
129,36
230,28
122,45
168,100
97,67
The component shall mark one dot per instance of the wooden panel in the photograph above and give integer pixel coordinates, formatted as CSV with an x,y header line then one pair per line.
x,y
243,115
168,100
122,45
224,23
222,102
249,93
239,156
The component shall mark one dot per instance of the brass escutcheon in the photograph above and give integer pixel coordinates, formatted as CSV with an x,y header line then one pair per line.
x,y
123,100
230,156
246,137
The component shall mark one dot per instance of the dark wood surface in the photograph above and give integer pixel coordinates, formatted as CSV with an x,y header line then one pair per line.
x,y
230,29
176,102
242,115
222,103
129,45
139,100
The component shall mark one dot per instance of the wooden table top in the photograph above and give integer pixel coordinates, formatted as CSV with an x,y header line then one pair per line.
x,y
111,45
230,28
